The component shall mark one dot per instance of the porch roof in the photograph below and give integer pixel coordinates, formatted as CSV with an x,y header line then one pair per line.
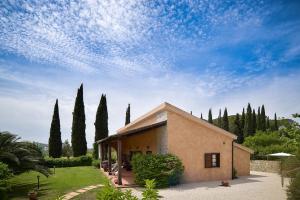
x,y
133,131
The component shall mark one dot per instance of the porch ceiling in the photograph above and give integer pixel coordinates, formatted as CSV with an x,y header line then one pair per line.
x,y
140,130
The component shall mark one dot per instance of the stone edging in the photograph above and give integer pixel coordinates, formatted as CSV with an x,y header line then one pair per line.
x,y
71,195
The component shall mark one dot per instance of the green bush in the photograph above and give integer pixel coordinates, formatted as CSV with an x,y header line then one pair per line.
x,y
108,192
96,163
293,191
5,174
165,169
150,193
69,162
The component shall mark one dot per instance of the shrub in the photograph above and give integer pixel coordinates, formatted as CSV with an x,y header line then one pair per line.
x,y
108,192
4,175
96,163
150,193
293,191
69,162
165,169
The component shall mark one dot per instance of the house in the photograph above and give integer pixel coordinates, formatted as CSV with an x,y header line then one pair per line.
x,y
206,151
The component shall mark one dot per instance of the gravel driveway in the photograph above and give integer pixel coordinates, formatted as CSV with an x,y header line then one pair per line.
x,y
257,186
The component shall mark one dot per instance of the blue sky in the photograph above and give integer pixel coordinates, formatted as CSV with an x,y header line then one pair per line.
x,y
194,54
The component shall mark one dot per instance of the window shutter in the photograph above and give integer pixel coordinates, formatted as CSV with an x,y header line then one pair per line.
x,y
208,160
218,160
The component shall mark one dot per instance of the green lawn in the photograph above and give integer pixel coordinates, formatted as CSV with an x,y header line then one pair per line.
x,y
63,181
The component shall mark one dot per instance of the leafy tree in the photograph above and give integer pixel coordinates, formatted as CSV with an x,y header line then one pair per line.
x,y
258,119
21,156
55,145
219,119
127,120
263,118
243,119
79,144
210,120
101,123
248,128
296,115
225,124
254,121
238,129
275,123
66,149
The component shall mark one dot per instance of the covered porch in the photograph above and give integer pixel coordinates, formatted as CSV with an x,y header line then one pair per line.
x,y
145,140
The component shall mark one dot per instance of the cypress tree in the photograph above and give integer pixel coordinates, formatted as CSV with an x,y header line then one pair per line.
x,y
225,124
238,129
275,123
254,126
127,119
101,123
258,120
79,145
201,116
55,144
263,118
219,119
243,120
210,120
248,122
268,123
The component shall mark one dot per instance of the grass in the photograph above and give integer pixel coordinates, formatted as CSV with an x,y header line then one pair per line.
x,y
63,181
90,195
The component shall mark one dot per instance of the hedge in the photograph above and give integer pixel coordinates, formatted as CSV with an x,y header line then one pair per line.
x,y
166,170
69,162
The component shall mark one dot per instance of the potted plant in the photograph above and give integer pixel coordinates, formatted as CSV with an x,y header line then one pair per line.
x,y
32,195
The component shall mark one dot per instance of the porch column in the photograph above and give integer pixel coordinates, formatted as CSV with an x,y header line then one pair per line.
x,y
119,162
100,151
109,157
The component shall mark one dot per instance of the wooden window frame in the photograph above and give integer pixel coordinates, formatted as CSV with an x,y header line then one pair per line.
x,y
208,160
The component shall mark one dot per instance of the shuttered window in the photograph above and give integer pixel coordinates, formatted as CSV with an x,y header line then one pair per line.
x,y
212,160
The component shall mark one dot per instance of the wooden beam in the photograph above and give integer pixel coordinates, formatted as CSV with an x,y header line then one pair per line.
x,y
119,162
109,157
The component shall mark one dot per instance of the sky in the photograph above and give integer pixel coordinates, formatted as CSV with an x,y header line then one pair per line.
x,y
195,55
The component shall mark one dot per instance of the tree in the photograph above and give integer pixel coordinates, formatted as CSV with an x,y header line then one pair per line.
x,y
254,121
201,116
225,124
238,129
21,156
55,144
101,123
210,120
275,123
127,119
258,122
263,118
66,149
268,123
248,128
79,145
219,119
243,120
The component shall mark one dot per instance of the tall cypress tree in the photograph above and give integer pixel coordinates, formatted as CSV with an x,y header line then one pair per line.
x,y
219,119
258,120
225,124
127,119
263,118
201,116
254,126
55,144
248,128
101,123
79,145
268,123
243,120
238,129
275,123
210,120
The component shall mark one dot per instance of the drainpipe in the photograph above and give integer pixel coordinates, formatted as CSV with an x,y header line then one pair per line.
x,y
232,167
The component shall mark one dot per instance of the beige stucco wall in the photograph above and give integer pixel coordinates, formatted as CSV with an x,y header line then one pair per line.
x,y
241,160
148,141
190,140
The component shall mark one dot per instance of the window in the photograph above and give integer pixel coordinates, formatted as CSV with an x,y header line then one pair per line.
x,y
212,160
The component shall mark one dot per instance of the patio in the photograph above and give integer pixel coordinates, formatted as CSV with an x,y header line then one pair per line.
x,y
127,178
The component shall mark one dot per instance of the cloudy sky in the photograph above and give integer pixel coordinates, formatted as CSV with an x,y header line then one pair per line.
x,y
194,54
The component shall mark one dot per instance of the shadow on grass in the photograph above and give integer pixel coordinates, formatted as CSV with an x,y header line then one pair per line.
x,y
21,190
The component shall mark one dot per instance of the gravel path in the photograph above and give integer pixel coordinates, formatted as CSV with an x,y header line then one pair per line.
x,y
257,186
